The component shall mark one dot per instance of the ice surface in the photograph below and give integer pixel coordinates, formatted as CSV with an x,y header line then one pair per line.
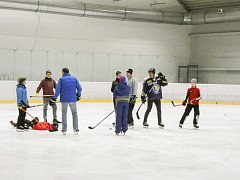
x,y
210,153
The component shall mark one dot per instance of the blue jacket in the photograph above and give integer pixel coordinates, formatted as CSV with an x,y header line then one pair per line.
x,y
152,87
21,91
69,88
122,91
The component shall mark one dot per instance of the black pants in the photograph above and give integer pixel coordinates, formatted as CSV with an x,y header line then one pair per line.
x,y
21,117
187,112
149,108
130,112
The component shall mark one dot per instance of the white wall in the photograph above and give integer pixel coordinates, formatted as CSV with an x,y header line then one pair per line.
x,y
216,49
93,49
101,91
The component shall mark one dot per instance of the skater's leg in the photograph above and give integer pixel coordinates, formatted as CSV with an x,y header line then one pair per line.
x,y
130,113
54,109
125,117
196,114
149,108
73,107
159,111
45,107
21,117
64,116
119,117
186,113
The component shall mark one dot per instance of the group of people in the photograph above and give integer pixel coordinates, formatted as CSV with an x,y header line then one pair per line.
x,y
125,94
69,89
124,89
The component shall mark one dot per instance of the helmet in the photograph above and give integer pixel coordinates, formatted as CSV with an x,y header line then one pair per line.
x,y
152,70
21,79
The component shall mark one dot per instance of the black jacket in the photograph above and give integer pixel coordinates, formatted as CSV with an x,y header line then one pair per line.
x,y
114,84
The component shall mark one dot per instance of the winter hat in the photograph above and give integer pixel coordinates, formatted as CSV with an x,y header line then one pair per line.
x,y
194,81
123,80
118,72
21,79
130,71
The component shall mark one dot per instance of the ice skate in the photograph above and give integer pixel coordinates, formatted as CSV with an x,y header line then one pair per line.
x,y
13,123
55,120
161,125
131,125
180,126
145,125
196,126
76,132
21,129
64,132
117,133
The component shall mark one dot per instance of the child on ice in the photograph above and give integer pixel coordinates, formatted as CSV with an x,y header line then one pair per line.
x,y
122,96
192,101
22,103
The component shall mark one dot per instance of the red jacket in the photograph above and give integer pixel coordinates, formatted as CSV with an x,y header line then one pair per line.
x,y
47,84
193,96
41,126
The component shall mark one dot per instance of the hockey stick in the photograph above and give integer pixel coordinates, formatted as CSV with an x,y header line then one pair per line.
x,y
23,103
175,105
28,114
138,111
41,96
90,127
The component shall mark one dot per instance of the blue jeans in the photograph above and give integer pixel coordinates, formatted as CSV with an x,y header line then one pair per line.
x,y
73,107
122,117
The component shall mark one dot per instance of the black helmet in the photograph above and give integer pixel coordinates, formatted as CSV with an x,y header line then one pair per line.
x,y
152,70
21,79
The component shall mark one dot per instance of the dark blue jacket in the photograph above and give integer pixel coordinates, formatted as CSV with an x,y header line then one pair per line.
x,y
21,91
122,91
69,88
152,87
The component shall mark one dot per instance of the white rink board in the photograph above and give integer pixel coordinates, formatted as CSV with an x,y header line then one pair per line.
x,y
101,90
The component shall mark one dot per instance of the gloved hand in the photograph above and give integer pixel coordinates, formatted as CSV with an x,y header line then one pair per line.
x,y
20,106
193,101
24,104
184,103
52,102
162,78
37,95
78,98
144,99
132,99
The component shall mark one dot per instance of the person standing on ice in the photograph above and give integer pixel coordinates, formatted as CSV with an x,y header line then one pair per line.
x,y
132,82
114,85
48,85
22,102
122,95
152,89
70,90
192,101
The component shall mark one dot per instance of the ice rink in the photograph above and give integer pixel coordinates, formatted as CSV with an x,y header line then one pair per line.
x,y
210,153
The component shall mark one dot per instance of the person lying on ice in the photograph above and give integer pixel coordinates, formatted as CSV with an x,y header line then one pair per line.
x,y
122,96
40,126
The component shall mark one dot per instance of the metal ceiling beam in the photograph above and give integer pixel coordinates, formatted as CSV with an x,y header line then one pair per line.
x,y
183,5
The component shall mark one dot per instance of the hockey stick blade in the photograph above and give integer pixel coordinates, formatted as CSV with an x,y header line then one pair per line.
x,y
137,114
173,104
89,127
